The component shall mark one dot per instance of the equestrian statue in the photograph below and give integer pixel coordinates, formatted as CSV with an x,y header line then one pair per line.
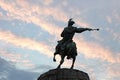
x,y
66,46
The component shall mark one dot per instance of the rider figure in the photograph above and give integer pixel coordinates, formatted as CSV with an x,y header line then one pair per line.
x,y
67,36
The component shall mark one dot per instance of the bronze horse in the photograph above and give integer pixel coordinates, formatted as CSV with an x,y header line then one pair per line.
x,y
70,51
66,46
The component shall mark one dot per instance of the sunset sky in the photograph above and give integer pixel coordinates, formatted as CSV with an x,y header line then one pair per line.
x,y
30,29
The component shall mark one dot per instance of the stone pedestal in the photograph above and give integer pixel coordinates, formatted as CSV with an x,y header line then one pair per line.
x,y
64,74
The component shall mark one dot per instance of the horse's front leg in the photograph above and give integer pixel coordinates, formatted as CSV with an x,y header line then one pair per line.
x,y
54,58
74,58
56,52
61,62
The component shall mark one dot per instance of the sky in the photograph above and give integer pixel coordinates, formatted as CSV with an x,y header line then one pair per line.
x,y
30,29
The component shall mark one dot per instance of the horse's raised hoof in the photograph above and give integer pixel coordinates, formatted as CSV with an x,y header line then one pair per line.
x,y
54,60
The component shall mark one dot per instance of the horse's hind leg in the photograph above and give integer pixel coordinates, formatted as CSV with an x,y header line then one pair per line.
x,y
61,62
74,58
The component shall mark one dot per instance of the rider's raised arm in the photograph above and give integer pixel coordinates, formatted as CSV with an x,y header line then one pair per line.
x,y
79,30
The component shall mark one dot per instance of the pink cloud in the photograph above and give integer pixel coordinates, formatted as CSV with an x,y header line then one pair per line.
x,y
25,43
16,58
89,49
82,23
94,50
27,63
9,56
47,2
27,12
113,70
37,14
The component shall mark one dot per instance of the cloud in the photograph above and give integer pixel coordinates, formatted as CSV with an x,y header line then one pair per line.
x,y
109,19
94,50
114,71
82,23
32,13
47,2
12,57
114,17
25,43
39,15
16,58
114,33
9,72
89,49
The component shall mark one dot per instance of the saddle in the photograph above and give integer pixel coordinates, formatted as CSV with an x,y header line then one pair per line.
x,y
67,48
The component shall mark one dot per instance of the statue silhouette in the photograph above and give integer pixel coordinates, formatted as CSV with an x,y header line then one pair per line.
x,y
66,46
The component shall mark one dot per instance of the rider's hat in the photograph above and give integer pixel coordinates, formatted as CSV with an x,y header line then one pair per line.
x,y
70,22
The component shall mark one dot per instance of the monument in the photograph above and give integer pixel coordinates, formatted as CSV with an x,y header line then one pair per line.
x,y
67,47
64,74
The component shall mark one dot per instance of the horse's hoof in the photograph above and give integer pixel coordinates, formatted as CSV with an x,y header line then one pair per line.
x,y
58,68
54,60
71,68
